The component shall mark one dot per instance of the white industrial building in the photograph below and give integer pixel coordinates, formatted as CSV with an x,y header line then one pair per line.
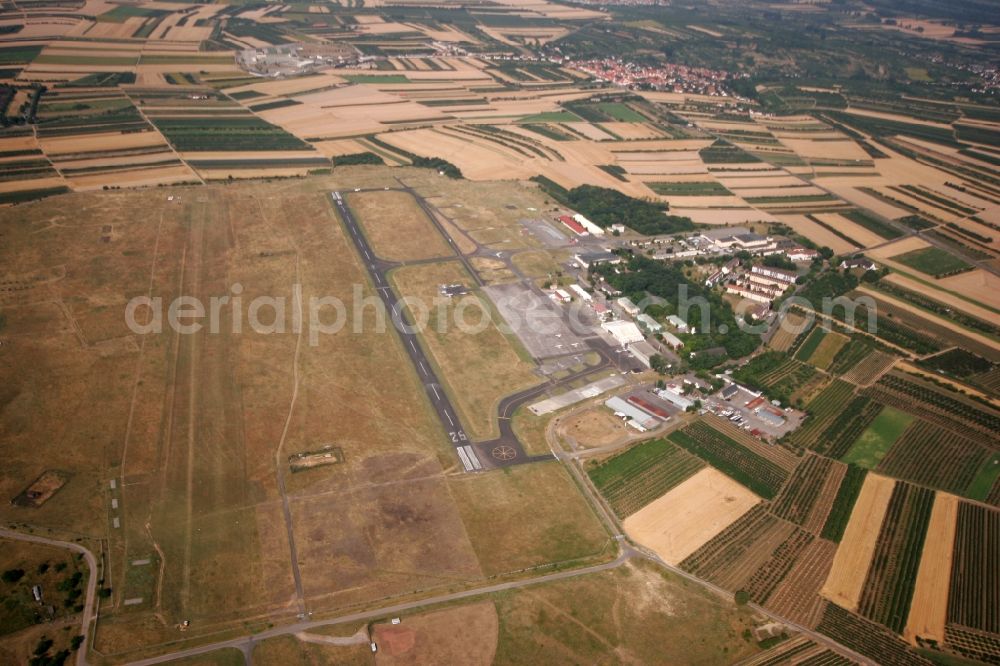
x,y
588,225
648,323
674,398
582,293
624,332
677,323
628,306
643,352
672,340
637,418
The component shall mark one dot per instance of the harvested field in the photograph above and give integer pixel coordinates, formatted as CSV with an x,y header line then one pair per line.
x,y
396,226
929,607
798,597
679,522
854,555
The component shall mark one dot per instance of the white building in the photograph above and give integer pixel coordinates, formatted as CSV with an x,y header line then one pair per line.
x,y
677,323
676,399
581,292
648,323
624,332
588,225
672,340
628,306
643,352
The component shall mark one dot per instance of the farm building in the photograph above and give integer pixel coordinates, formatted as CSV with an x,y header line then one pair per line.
x,y
649,324
729,391
624,332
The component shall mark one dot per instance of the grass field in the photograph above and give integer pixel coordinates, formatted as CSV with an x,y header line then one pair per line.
x,y
479,365
932,261
869,449
594,619
985,479
396,227
528,516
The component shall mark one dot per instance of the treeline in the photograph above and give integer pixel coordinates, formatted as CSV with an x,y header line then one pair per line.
x,y
437,163
357,158
665,281
605,206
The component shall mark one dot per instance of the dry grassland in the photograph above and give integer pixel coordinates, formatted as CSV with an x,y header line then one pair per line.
x,y
293,651
679,522
396,226
593,427
431,638
929,607
850,566
527,516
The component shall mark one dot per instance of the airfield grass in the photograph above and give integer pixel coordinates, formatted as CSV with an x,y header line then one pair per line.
x,y
528,516
223,657
636,613
530,431
290,651
872,445
396,227
536,263
479,365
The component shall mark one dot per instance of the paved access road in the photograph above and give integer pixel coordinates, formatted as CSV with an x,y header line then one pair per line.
x,y
88,604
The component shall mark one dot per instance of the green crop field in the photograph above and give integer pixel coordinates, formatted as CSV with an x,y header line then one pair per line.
x,y
875,441
633,479
700,189
621,112
985,479
552,117
932,261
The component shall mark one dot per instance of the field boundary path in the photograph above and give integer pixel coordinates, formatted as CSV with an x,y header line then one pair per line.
x,y
88,605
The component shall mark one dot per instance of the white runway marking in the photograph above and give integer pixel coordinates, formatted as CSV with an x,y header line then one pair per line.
x,y
449,417
437,395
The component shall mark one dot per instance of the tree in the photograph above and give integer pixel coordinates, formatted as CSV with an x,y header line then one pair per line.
x,y
742,597
13,575
658,363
